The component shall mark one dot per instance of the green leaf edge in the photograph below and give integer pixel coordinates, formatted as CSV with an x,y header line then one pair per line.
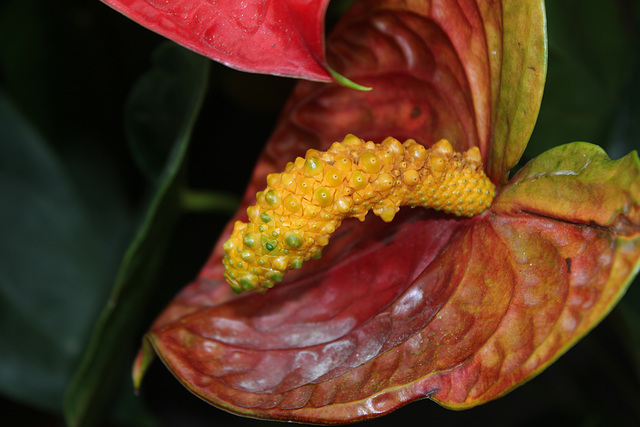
x,y
512,115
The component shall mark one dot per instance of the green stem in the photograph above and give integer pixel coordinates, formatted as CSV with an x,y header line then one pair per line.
x,y
209,202
339,78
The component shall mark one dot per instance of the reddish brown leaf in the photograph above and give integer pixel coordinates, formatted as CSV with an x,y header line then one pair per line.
x,y
567,277
466,330
283,37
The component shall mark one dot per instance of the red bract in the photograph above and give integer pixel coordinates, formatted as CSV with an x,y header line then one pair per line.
x,y
282,37
459,310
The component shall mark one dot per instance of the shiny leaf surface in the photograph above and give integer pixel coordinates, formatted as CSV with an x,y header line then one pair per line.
x,y
284,37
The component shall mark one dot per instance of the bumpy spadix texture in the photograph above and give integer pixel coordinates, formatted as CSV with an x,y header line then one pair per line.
x,y
302,207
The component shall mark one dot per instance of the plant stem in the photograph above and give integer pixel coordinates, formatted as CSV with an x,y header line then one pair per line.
x,y
209,202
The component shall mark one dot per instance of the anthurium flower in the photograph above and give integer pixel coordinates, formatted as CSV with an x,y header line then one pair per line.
x,y
457,309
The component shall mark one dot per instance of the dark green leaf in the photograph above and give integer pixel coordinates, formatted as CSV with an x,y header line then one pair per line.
x,y
56,260
167,98
157,112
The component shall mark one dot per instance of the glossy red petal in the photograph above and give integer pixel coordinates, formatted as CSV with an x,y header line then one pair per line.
x,y
306,343
281,37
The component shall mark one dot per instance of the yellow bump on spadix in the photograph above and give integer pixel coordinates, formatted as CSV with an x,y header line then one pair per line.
x,y
294,217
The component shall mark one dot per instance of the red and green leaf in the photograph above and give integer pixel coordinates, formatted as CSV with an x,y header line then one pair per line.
x,y
577,183
567,234
459,310
462,315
